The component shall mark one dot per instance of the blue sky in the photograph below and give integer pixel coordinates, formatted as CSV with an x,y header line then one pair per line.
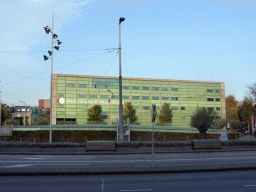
x,y
205,40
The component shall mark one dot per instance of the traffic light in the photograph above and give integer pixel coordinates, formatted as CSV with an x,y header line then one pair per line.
x,y
58,42
56,47
50,53
55,36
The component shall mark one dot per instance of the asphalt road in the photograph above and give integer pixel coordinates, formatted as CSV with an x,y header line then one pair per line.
x,y
203,181
126,161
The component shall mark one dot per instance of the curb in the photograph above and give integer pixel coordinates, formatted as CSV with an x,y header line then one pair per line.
x,y
123,153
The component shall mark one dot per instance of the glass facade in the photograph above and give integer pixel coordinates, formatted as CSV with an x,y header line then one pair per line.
x,y
83,92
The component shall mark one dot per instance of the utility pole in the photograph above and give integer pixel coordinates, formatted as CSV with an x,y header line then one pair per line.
x,y
120,85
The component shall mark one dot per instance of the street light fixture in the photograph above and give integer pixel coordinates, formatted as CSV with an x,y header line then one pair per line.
x,y
24,111
120,85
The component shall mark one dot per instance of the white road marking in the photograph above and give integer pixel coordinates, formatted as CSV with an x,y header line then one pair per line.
x,y
139,190
10,166
33,158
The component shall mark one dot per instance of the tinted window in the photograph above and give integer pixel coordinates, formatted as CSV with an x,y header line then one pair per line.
x,y
135,88
209,99
145,88
165,88
155,98
135,97
145,97
155,88
174,98
165,98
174,89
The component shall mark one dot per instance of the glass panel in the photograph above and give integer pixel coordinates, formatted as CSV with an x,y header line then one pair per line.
x,y
165,88
155,98
146,107
81,95
125,97
175,108
92,96
104,96
174,98
218,108
135,88
136,107
210,90
217,99
155,88
145,88
60,95
125,87
145,97
135,97
165,98
217,90
82,85
174,89
209,99
183,108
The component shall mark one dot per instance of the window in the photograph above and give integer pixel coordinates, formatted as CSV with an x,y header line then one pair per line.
x,y
165,88
71,85
217,99
218,108
60,95
145,97
183,108
209,99
136,107
18,115
210,108
22,109
104,96
18,109
92,96
155,88
174,89
27,109
116,97
155,98
81,106
145,88
125,97
146,107
174,98
60,105
165,98
210,90
157,108
175,108
217,90
125,87
135,88
81,95
82,85
135,97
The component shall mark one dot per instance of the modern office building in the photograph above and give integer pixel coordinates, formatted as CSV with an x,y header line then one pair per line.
x,y
74,95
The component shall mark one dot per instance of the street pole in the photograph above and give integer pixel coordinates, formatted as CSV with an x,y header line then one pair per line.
x,y
120,85
0,108
153,145
50,140
25,112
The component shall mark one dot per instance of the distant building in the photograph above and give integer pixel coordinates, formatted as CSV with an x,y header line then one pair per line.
x,y
19,111
44,104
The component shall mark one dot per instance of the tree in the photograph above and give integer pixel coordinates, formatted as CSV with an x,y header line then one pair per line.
x,y
42,118
203,119
231,108
11,122
5,114
129,112
245,110
94,115
165,115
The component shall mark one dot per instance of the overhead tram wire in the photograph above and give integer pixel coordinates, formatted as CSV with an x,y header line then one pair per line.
x,y
57,68
108,49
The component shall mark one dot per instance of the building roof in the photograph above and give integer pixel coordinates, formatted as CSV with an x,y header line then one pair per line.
x,y
132,78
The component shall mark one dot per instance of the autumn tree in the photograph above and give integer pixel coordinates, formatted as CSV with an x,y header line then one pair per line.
x,y
203,119
231,108
94,115
42,118
246,109
165,115
129,112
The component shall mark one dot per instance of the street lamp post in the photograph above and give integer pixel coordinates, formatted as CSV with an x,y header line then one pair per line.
x,y
54,36
24,111
0,107
120,84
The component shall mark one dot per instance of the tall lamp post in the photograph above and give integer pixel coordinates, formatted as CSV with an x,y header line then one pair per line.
x,y
0,108
24,111
54,36
120,84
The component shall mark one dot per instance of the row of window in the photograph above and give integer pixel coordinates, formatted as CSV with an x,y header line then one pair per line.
x,y
147,107
133,87
133,97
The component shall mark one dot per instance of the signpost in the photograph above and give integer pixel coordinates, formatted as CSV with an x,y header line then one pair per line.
x,y
153,118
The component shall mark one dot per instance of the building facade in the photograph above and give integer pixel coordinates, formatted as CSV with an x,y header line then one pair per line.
x,y
44,104
20,111
74,95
